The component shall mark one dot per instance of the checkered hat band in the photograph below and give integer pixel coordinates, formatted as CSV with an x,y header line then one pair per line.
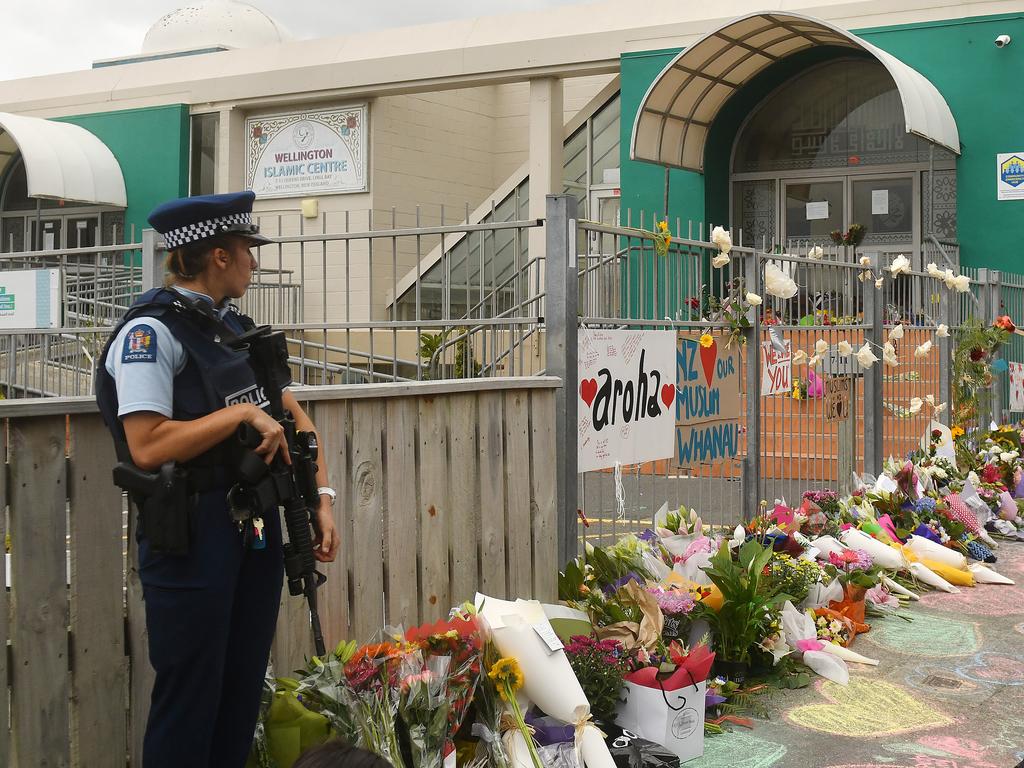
x,y
203,229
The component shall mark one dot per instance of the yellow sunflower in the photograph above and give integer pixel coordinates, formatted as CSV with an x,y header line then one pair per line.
x,y
707,340
507,675
957,432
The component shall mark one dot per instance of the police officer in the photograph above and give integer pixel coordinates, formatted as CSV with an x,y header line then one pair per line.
x,y
171,390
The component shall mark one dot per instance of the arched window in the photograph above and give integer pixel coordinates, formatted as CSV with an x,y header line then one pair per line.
x,y
844,114
828,149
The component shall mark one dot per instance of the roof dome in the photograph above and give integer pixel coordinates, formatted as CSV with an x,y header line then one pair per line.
x,y
213,24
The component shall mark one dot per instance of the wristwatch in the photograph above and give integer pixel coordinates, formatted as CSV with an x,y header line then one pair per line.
x,y
324,490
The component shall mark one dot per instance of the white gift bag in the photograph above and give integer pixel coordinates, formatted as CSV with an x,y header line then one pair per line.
x,y
674,719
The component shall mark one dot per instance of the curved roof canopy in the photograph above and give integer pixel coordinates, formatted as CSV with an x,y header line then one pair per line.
x,y
62,161
679,108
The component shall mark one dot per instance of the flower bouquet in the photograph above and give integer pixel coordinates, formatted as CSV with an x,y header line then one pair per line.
x,y
424,707
449,673
372,698
600,666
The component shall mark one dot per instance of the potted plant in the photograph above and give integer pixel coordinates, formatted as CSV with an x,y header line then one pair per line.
x,y
748,602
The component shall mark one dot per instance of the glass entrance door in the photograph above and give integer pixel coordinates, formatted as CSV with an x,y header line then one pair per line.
x,y
813,209
51,234
886,207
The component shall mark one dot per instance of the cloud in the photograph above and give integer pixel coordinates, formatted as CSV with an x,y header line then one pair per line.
x,y
65,35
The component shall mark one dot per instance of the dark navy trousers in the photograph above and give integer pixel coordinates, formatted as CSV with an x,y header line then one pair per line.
x,y
211,618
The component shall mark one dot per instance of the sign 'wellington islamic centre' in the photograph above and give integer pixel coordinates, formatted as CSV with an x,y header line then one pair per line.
x,y
307,153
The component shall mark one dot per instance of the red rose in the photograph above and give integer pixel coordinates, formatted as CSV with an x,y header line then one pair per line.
x,y
1004,322
977,354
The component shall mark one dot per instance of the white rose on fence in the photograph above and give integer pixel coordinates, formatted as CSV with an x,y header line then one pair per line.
x,y
923,350
962,283
896,333
889,355
720,260
799,357
942,331
820,347
845,348
900,265
816,253
934,271
778,283
865,357
915,404
722,239
753,300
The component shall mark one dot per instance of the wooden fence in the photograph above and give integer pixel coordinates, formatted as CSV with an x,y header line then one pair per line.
x,y
443,489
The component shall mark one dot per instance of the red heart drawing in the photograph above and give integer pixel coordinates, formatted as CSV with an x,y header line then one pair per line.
x,y
708,356
588,390
668,394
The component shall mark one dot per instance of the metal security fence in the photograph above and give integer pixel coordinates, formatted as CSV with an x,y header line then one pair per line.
x,y
614,277
358,302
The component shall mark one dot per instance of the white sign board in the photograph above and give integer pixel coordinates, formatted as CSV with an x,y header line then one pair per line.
x,y
1010,176
30,298
837,364
879,202
1016,374
776,369
627,397
817,211
307,153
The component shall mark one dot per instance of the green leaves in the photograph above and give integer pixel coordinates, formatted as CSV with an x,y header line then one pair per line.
x,y
747,601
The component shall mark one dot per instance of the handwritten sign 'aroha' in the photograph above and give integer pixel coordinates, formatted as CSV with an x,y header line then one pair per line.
x,y
707,402
626,391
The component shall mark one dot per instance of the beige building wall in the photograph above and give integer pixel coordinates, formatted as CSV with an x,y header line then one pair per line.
x,y
449,148
512,117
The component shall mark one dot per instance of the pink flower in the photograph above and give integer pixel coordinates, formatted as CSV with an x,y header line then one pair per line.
x,y
879,596
809,645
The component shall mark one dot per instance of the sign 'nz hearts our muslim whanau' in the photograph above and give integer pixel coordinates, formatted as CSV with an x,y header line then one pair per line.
x,y
707,401
627,397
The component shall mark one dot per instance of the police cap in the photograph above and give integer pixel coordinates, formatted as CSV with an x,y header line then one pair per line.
x,y
190,220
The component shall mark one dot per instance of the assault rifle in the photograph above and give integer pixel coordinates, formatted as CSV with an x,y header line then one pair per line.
x,y
291,488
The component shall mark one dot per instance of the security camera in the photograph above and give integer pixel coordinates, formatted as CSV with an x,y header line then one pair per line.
x,y
1002,41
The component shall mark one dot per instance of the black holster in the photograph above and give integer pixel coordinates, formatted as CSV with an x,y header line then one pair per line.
x,y
164,504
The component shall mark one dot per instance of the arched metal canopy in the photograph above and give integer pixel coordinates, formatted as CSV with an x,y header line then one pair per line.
x,y
62,161
677,112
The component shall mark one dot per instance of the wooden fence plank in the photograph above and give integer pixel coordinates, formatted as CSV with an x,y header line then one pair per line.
x,y
491,464
543,494
39,591
435,586
98,663
5,740
141,672
464,525
367,504
519,537
331,419
401,529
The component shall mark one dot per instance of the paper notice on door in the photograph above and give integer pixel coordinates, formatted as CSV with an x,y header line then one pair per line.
x,y
879,202
817,211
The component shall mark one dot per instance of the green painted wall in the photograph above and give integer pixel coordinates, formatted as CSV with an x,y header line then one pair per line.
x,y
959,58
151,146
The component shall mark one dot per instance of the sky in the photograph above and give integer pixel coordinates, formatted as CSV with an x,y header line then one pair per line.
x,y
46,36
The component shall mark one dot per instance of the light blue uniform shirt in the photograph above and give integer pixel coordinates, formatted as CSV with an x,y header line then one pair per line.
x,y
144,359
